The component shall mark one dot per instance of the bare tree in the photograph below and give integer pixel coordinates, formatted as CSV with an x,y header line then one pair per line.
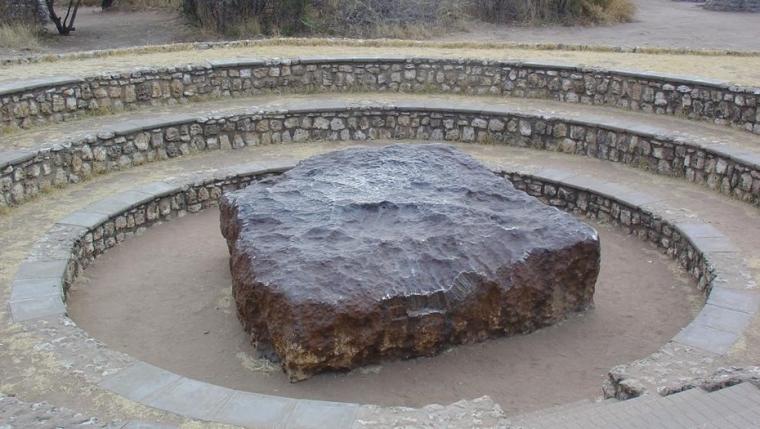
x,y
64,25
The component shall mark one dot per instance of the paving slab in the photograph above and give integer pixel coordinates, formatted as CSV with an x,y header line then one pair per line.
x,y
190,398
252,410
318,414
34,270
746,301
139,381
84,218
35,288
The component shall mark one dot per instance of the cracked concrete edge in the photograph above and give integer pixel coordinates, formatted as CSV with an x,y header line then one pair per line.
x,y
37,292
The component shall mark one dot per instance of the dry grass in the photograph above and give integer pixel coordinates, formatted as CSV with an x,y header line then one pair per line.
x,y
247,28
619,11
19,36
553,11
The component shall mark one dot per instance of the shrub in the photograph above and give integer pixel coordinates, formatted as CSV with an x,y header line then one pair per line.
x,y
552,11
394,18
233,17
373,18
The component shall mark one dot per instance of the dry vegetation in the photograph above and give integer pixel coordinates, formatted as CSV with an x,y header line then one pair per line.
x,y
553,11
19,37
392,18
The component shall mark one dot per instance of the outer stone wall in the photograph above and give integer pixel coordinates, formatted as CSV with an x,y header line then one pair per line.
x,y
25,104
22,11
733,5
27,174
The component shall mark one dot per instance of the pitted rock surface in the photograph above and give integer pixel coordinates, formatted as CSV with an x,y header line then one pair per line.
x,y
397,252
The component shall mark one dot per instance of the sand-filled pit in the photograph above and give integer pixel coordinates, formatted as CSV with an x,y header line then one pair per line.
x,y
165,297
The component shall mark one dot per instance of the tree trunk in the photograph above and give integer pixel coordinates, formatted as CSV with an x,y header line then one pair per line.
x,y
64,25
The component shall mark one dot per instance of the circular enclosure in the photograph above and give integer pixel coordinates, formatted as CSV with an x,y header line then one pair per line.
x,y
165,297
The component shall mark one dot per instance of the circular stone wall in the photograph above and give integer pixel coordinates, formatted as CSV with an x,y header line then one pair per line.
x,y
165,297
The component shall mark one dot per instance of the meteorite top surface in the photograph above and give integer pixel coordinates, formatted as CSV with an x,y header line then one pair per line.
x,y
363,225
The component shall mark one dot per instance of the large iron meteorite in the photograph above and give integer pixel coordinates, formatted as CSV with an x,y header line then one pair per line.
x,y
397,252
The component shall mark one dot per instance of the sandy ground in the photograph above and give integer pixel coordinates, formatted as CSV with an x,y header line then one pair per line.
x,y
164,297
657,23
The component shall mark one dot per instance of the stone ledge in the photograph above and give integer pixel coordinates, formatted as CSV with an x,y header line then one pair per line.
x,y
26,85
29,103
25,173
715,330
158,388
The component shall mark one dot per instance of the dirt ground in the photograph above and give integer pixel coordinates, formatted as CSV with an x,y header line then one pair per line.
x,y
657,23
96,29
133,297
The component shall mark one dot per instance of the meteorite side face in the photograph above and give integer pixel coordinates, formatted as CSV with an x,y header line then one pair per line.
x,y
396,252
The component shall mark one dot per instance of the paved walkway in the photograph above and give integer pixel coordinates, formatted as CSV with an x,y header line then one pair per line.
x,y
33,375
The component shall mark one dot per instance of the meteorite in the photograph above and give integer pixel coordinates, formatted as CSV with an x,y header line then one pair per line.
x,y
376,253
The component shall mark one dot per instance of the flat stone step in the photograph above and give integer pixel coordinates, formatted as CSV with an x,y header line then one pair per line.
x,y
733,407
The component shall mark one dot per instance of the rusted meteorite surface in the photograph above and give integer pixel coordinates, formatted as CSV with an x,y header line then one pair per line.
x,y
395,252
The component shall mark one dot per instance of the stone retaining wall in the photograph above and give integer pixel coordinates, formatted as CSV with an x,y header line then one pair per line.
x,y
39,101
25,174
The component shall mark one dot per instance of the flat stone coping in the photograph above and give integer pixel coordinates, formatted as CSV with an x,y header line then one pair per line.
x,y
9,88
37,292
